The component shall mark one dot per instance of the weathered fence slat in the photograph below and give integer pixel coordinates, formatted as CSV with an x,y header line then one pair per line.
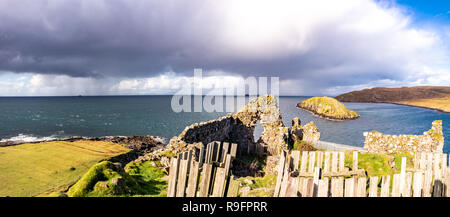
x,y
309,185
173,176
427,182
349,188
447,182
361,187
373,186
337,187
233,150
312,160
193,179
341,161
418,184
334,162
323,188
280,173
316,181
205,180
295,159
233,187
304,162
355,160
385,185
201,156
219,182
407,185
285,181
326,164
292,189
182,177
319,159
402,178
396,185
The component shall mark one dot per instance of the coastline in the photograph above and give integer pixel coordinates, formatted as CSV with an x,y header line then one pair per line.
x,y
138,143
399,103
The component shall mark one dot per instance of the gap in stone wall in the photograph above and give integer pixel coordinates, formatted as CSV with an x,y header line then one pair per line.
x,y
258,131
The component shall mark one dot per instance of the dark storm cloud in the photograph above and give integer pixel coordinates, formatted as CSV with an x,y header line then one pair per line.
x,y
146,38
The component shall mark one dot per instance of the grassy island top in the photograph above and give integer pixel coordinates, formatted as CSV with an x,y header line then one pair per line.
x,y
329,108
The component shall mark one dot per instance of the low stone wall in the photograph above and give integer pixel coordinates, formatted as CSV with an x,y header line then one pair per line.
x,y
431,141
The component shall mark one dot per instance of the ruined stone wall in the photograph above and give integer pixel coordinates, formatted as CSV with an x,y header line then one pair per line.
x,y
431,141
239,128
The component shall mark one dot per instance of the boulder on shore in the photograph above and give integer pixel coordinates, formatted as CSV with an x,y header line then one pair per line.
x,y
327,107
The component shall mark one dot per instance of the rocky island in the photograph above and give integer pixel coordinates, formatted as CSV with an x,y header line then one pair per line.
x,y
329,108
432,97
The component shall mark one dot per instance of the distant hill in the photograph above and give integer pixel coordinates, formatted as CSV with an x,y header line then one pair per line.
x,y
434,97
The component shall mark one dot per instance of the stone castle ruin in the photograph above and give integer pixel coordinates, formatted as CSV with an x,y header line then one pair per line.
x,y
239,128
431,141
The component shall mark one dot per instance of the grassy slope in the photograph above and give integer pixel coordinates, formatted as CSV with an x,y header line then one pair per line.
x,y
139,179
32,169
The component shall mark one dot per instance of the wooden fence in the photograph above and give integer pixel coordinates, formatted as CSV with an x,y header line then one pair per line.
x,y
203,172
430,177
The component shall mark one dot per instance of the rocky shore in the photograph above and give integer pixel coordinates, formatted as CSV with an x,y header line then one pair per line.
x,y
329,108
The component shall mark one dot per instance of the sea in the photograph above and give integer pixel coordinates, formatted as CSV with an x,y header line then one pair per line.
x,y
32,119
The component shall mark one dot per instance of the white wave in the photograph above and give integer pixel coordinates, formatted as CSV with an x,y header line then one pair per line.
x,y
29,138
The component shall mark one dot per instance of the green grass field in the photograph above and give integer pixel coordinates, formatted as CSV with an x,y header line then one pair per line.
x,y
36,169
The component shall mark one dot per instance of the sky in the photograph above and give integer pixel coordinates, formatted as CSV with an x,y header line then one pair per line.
x,y
119,47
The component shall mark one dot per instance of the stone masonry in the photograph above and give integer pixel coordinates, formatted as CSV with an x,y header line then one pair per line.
x,y
431,141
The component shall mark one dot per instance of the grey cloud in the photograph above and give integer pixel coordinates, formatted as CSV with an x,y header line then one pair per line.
x,y
145,38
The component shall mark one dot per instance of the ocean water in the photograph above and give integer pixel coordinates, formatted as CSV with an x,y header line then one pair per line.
x,y
41,118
